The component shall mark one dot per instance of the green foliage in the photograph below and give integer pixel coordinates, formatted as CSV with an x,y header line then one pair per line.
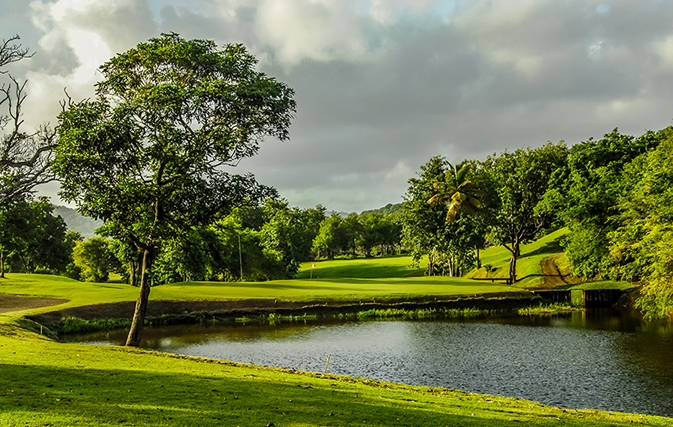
x,y
388,209
149,161
288,234
331,237
30,233
146,154
92,257
457,192
585,195
521,179
421,313
357,234
450,245
640,243
378,230
547,309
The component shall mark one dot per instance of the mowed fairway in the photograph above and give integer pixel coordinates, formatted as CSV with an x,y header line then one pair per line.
x,y
341,280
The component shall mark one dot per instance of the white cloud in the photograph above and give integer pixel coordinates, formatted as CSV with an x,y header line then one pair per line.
x,y
320,30
664,49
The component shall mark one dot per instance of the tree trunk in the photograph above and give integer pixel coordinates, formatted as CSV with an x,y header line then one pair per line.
x,y
478,259
132,273
512,262
136,331
2,264
431,270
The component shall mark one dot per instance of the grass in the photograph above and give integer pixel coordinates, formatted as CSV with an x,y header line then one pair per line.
x,y
77,385
426,313
602,284
395,266
338,289
532,254
546,309
50,383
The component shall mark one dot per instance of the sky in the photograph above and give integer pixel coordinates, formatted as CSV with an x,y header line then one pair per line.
x,y
383,85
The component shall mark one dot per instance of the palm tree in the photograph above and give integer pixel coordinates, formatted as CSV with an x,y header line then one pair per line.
x,y
458,192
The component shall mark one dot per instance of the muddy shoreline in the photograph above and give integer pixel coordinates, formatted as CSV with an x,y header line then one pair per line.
x,y
187,312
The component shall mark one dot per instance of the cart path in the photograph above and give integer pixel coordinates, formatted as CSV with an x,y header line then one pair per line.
x,y
552,276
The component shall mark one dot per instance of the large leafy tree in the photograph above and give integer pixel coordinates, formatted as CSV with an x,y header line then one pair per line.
x,y
332,237
288,233
423,224
150,154
521,179
93,258
640,243
24,156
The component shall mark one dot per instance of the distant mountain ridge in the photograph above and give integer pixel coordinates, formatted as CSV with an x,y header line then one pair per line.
x,y
388,209
78,222
87,226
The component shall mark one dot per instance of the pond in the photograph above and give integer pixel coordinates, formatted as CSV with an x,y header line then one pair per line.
x,y
585,359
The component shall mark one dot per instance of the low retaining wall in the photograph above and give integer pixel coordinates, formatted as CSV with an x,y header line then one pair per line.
x,y
589,298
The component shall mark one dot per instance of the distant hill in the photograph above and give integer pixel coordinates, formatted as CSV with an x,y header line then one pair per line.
x,y
77,221
386,210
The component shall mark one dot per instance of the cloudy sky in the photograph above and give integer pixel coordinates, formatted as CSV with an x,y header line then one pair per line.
x,y
383,85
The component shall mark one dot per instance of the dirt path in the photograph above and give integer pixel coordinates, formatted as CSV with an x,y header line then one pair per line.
x,y
552,275
9,303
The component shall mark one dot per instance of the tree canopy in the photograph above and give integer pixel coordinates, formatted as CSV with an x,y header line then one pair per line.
x,y
521,179
151,153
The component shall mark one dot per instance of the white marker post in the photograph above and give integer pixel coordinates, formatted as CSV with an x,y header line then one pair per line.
x,y
312,267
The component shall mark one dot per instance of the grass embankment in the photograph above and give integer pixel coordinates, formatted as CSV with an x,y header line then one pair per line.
x,y
47,383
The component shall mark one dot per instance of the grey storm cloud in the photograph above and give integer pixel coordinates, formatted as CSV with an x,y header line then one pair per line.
x,y
382,86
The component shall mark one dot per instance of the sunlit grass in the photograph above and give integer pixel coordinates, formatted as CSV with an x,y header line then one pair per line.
x,y
47,383
340,289
495,260
394,266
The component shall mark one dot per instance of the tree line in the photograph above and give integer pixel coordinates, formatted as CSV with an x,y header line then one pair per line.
x,y
252,243
615,195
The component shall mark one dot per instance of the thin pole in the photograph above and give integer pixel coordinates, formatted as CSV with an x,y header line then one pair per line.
x,y
240,257
327,364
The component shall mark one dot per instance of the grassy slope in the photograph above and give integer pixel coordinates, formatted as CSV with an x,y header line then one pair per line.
x,y
528,263
396,266
77,385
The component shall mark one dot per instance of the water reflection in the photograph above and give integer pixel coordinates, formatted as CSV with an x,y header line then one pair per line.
x,y
592,359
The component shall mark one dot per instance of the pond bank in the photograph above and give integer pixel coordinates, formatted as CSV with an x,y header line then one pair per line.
x,y
116,315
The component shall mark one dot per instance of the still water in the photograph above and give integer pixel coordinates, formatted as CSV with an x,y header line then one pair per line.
x,y
601,360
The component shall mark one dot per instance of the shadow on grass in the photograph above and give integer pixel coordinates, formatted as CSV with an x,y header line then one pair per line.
x,y
551,248
69,396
